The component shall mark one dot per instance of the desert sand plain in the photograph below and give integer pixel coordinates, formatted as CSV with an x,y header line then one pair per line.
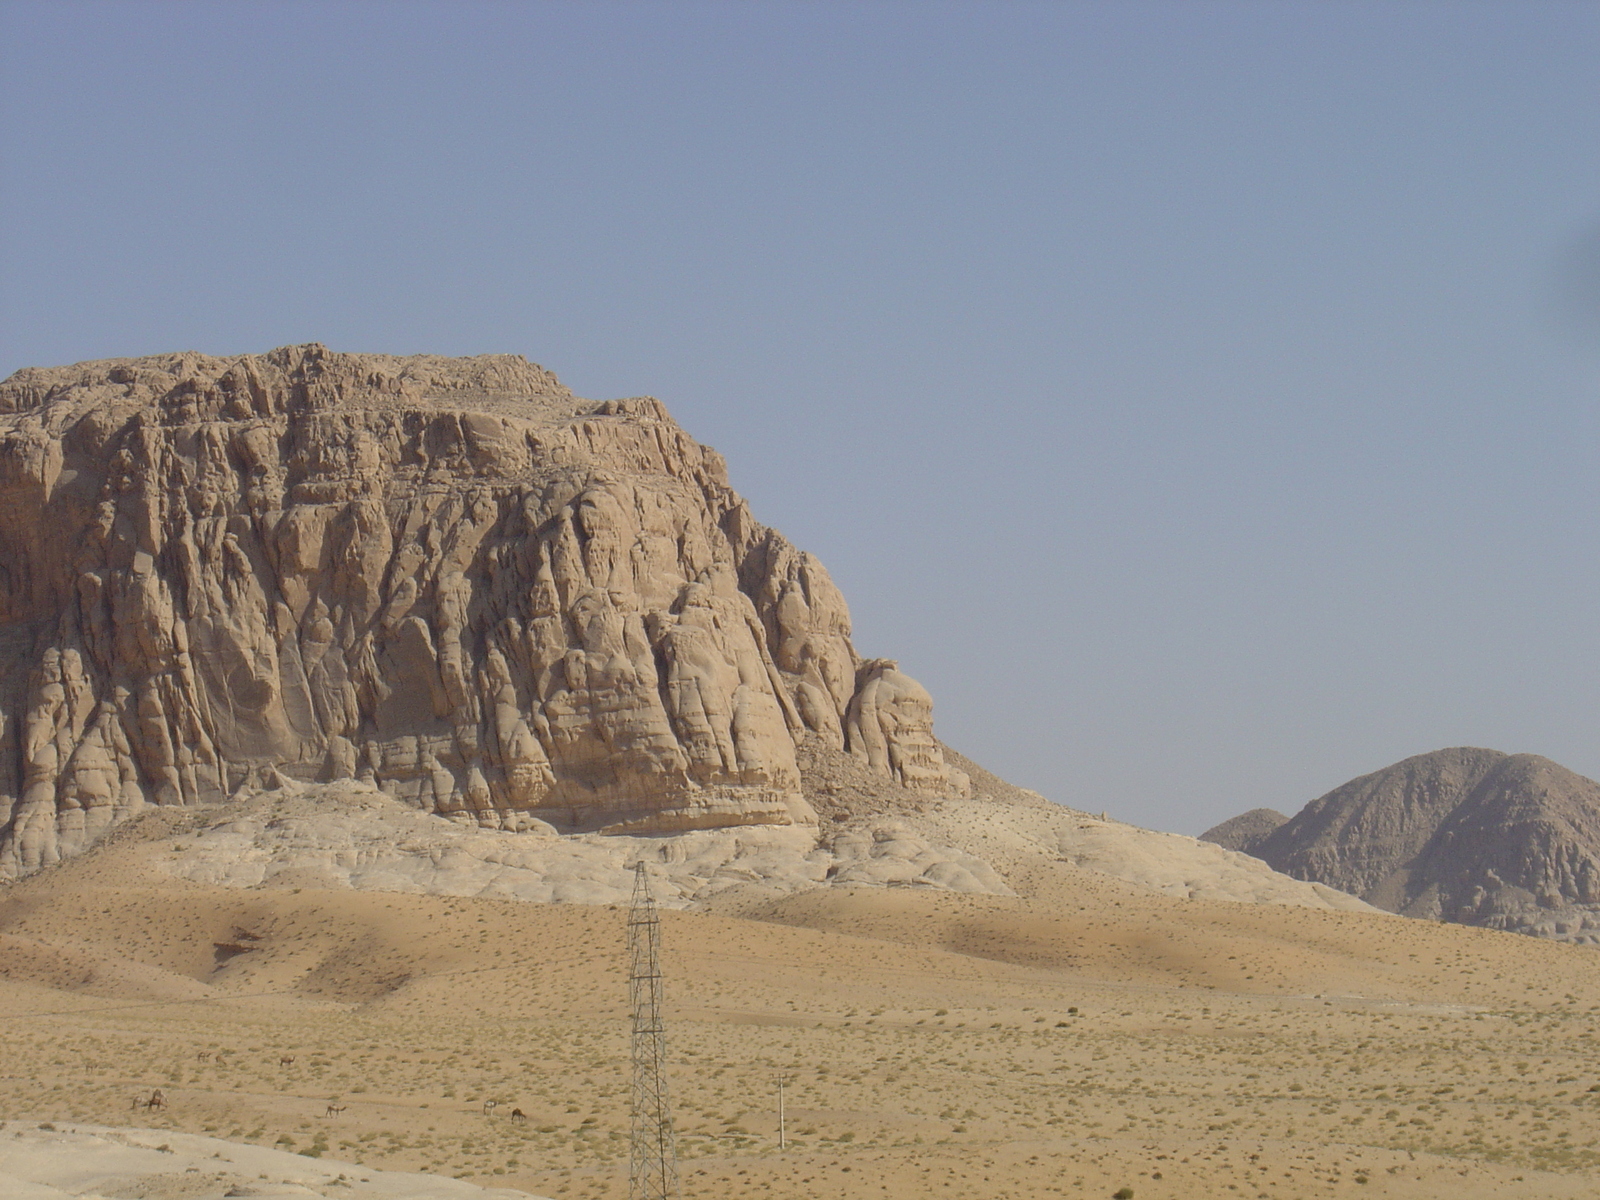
x,y
1085,1036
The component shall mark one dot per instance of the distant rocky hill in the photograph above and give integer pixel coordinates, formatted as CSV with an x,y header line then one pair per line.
x,y
1246,831
448,577
1506,841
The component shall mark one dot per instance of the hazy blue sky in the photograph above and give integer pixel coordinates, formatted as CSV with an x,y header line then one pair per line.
x,y
1200,398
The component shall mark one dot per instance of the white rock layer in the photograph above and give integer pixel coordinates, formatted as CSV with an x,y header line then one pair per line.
x,y
349,835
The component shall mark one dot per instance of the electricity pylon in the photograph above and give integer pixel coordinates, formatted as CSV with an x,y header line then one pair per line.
x,y
783,1139
653,1167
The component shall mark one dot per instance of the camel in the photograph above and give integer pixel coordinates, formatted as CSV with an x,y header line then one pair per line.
x,y
286,1060
518,1115
158,1099
489,1106
334,1110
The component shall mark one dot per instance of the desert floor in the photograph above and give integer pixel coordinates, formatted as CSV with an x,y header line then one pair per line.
x,y
1088,1037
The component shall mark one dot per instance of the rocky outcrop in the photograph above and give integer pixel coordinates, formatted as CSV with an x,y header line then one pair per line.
x,y
349,835
448,577
1506,841
1246,831
889,727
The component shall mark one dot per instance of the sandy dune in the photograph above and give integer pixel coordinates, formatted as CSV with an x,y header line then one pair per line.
x,y
1079,1036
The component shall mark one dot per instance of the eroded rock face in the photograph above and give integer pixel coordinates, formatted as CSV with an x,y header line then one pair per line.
x,y
449,577
889,726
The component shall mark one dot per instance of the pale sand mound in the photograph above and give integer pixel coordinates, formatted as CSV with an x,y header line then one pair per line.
x,y
41,1162
350,835
1017,835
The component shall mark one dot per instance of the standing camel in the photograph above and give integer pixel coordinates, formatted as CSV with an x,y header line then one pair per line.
x,y
489,1106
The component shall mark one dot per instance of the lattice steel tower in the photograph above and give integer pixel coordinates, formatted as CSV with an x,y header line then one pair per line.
x,y
653,1169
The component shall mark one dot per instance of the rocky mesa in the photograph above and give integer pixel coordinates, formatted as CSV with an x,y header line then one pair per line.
x,y
449,578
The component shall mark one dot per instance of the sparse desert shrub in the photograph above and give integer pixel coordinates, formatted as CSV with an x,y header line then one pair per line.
x,y
1122,1193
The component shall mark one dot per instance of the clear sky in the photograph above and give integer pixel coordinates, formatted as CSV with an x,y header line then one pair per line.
x,y
1200,398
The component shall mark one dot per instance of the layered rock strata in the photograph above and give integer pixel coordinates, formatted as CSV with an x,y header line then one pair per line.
x,y
448,577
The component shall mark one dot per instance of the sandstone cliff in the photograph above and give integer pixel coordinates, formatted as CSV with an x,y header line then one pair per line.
x,y
450,578
1507,841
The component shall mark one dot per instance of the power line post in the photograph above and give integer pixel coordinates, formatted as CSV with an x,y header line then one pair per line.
x,y
653,1166
782,1140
